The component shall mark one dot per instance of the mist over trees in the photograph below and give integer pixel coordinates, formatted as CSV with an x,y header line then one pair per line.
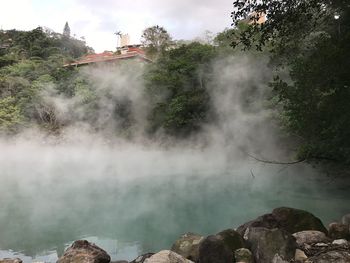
x,y
307,43
310,40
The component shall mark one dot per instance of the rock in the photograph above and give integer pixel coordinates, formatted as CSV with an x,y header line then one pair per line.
x,y
295,220
278,259
11,260
187,246
142,258
299,256
267,221
289,219
340,242
339,231
232,239
82,251
345,220
120,261
243,255
213,249
167,256
309,237
266,243
330,256
321,245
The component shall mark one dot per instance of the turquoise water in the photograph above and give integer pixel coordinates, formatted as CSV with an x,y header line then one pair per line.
x,y
134,202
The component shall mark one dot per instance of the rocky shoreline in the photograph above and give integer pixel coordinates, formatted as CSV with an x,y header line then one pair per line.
x,y
284,235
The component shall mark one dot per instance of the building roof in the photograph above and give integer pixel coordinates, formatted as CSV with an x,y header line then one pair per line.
x,y
108,56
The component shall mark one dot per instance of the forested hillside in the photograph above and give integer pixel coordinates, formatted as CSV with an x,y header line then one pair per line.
x,y
308,49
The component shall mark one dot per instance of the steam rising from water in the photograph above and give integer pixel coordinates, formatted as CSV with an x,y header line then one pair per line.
x,y
90,182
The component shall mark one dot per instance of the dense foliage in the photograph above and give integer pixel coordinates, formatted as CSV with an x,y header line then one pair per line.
x,y
311,40
177,86
29,62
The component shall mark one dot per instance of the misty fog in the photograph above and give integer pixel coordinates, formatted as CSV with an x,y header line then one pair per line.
x,y
89,181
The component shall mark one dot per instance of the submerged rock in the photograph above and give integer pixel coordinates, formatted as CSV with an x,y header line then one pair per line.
x,y
213,249
82,251
289,219
167,256
188,246
244,255
310,237
339,231
266,243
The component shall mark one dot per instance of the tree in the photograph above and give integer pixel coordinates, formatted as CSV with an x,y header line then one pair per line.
x,y
155,39
177,89
311,40
66,30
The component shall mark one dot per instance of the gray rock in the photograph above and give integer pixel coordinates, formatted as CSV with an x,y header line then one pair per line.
x,y
310,237
243,255
299,256
330,256
82,251
295,220
278,259
167,256
340,242
321,245
142,258
11,260
339,231
266,243
120,261
187,246
213,249
346,219
289,219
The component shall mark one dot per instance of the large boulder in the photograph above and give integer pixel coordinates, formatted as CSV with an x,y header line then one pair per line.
x,y
289,219
167,256
142,258
310,237
82,251
295,220
339,231
11,260
213,249
187,246
333,256
268,245
232,239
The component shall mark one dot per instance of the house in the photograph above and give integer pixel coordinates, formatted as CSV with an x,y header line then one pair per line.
x,y
129,52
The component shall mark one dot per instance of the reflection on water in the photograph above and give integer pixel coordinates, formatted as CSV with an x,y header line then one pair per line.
x,y
47,205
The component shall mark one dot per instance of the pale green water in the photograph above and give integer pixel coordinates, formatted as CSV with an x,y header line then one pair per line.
x,y
47,203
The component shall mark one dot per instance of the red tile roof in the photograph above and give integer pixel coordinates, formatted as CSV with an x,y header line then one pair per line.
x,y
108,56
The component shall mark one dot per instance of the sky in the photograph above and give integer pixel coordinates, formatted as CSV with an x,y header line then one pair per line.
x,y
97,20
